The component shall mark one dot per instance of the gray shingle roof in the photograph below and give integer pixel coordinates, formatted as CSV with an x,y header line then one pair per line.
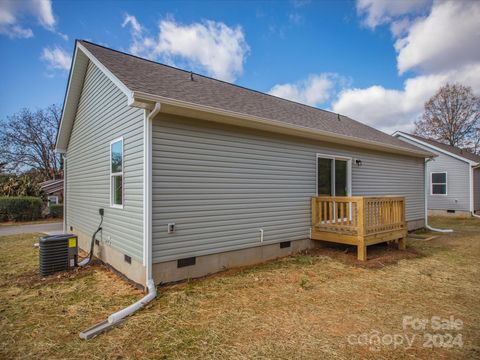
x,y
141,75
454,150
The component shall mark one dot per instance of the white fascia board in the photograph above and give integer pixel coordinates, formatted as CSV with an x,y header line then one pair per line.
x,y
62,121
141,97
107,72
103,69
433,147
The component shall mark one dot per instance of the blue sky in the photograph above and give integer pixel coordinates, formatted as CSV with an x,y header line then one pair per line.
x,y
374,60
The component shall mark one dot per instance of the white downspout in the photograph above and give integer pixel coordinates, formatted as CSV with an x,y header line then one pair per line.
x,y
115,318
472,195
427,187
64,192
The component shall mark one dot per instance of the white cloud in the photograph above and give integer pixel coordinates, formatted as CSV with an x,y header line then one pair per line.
x,y
378,12
314,90
133,22
12,10
63,36
390,109
447,38
16,31
441,45
400,27
56,58
211,47
44,13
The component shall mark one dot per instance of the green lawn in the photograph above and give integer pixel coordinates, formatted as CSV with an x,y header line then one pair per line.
x,y
305,306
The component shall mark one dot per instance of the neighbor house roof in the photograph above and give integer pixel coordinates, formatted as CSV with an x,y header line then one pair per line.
x,y
151,81
470,157
52,186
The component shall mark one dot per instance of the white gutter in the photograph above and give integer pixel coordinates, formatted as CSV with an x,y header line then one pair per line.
x,y
117,317
427,188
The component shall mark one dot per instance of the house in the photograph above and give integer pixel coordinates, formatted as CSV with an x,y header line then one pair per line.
x,y
196,175
54,191
453,177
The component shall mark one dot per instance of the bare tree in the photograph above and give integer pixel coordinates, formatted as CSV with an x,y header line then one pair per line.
x,y
27,141
452,116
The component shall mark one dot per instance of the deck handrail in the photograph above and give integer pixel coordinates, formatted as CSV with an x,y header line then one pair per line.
x,y
358,215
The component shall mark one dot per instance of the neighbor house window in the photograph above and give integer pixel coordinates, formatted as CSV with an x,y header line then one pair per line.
x,y
116,173
439,183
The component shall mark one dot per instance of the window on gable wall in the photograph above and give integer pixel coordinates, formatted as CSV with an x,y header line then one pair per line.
x,y
116,173
439,183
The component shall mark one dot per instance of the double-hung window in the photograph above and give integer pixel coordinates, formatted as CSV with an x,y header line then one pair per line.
x,y
116,173
439,183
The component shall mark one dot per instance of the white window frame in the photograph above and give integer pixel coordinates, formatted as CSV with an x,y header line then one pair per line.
x,y
50,199
432,183
349,171
349,175
112,205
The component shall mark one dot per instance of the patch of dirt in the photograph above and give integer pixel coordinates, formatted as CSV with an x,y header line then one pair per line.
x,y
32,279
379,255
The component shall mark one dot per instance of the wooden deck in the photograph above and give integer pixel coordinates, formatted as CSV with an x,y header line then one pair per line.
x,y
359,220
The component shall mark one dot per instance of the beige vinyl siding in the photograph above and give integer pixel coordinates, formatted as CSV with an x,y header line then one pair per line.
x,y
458,181
102,116
221,184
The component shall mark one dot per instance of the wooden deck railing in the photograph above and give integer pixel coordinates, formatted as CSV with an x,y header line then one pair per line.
x,y
359,220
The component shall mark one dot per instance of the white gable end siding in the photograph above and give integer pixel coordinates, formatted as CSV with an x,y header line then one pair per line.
x,y
221,184
458,181
102,116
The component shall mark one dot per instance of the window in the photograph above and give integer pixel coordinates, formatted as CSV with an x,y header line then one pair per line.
x,y
52,200
439,183
116,173
333,176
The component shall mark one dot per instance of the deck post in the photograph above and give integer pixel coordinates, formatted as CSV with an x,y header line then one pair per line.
x,y
362,251
314,208
402,243
361,246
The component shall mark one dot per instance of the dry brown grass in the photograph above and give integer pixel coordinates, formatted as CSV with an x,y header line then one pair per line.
x,y
298,307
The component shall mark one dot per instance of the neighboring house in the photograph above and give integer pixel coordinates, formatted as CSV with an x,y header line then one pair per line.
x,y
54,191
453,177
197,175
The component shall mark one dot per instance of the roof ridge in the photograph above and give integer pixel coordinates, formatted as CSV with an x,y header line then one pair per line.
x,y
218,80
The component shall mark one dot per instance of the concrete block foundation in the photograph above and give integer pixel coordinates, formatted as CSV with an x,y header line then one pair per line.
x,y
458,213
135,271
